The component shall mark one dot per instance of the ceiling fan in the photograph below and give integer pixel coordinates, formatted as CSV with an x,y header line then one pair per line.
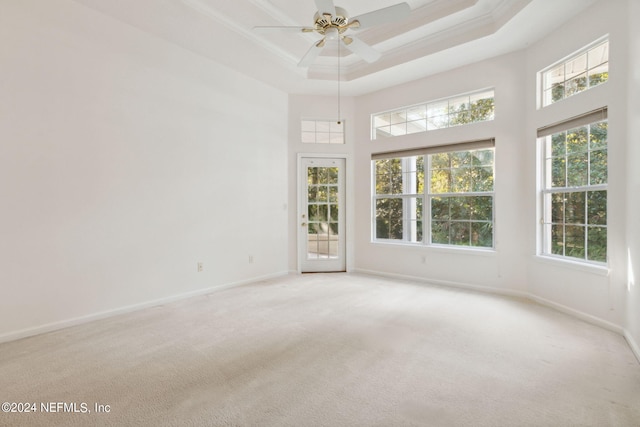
x,y
331,22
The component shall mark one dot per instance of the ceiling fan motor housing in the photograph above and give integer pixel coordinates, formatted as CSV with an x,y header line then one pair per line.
x,y
339,21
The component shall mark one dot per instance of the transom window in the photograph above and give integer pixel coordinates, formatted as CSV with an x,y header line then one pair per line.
x,y
454,111
583,70
441,196
574,194
322,131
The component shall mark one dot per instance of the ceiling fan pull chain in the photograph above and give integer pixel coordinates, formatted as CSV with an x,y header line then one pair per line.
x,y
339,69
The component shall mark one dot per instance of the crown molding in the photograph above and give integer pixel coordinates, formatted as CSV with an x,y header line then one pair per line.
x,y
418,18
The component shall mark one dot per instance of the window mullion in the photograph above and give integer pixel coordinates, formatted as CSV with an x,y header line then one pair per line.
x,y
553,190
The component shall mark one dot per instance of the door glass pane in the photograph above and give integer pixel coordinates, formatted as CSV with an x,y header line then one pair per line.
x,y
322,193
333,213
312,193
333,194
322,232
332,175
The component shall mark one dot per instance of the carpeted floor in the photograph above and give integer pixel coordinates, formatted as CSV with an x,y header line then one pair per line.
x,y
327,350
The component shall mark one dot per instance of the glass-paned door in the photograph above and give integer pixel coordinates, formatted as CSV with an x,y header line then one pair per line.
x,y
321,215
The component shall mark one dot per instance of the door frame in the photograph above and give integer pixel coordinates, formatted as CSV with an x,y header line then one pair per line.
x,y
301,187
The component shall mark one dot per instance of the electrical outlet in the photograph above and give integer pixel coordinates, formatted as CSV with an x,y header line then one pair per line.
x,y
200,268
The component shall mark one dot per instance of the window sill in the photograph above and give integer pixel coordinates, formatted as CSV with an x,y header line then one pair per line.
x,y
600,270
460,250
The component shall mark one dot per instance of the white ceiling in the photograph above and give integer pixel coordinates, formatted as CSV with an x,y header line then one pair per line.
x,y
438,35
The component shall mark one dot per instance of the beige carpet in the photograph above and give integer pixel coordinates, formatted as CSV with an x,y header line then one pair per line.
x,y
328,350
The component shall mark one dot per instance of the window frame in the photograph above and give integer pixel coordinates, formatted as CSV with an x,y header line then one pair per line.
x,y
545,93
402,116
547,190
427,196
331,133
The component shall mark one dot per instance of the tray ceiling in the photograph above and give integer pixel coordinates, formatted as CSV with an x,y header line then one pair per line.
x,y
438,35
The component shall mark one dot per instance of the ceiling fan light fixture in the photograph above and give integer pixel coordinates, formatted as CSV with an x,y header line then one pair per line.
x,y
332,33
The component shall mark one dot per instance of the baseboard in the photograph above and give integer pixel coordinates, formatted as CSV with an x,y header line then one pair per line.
x,y
578,314
446,283
633,344
54,326
507,292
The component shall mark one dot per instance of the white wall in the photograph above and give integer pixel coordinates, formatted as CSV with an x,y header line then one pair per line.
x,y
502,269
591,292
125,160
633,180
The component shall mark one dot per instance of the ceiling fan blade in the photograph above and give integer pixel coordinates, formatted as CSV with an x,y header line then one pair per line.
x,y
393,13
361,49
279,28
326,6
311,54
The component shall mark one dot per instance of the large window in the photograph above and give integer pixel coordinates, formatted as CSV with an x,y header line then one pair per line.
x,y
435,196
574,188
444,113
587,68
